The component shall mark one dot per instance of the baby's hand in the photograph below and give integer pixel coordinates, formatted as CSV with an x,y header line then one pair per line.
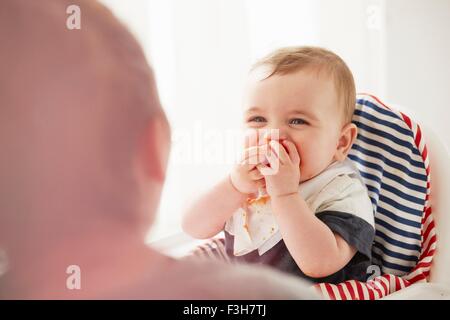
x,y
245,177
282,176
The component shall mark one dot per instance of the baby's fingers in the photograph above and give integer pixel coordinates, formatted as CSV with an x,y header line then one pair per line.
x,y
253,161
255,175
272,168
278,149
253,156
252,151
292,151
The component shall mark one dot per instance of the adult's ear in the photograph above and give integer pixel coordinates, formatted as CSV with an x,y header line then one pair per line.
x,y
156,147
346,140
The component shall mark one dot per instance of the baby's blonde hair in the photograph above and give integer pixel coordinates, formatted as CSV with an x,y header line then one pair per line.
x,y
291,59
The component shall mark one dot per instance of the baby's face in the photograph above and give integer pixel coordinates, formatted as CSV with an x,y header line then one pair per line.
x,y
303,106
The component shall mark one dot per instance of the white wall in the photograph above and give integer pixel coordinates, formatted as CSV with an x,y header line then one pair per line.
x,y
418,59
354,29
210,62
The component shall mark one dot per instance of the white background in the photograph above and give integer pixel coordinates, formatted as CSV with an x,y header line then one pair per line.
x,y
201,51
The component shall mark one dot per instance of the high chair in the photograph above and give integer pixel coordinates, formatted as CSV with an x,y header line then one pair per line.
x,y
406,170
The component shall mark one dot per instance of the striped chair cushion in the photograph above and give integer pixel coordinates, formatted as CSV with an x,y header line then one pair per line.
x,y
392,158
396,176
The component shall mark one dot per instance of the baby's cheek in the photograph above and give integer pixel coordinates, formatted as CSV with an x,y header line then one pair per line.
x,y
305,165
309,158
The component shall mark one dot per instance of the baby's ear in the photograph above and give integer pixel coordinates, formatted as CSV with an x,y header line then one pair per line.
x,y
346,140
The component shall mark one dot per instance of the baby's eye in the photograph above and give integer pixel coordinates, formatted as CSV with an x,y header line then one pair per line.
x,y
297,121
257,119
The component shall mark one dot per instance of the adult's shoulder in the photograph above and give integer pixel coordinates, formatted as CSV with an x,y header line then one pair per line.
x,y
201,279
217,280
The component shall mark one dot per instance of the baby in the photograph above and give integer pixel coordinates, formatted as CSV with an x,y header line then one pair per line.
x,y
295,201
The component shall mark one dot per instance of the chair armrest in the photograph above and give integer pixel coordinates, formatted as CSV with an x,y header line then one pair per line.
x,y
179,244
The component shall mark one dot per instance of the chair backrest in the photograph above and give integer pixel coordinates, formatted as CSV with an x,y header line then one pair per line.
x,y
392,158
440,202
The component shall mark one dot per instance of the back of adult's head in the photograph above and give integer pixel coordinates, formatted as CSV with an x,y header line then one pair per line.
x,y
82,131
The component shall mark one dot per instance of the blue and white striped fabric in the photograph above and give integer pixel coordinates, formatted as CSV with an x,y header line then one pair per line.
x,y
394,171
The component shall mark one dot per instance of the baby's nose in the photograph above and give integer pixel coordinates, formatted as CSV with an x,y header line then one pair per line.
x,y
274,134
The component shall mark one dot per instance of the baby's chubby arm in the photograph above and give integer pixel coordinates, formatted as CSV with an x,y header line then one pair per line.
x,y
315,248
207,215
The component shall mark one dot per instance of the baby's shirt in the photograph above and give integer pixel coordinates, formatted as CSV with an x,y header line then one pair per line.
x,y
338,197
